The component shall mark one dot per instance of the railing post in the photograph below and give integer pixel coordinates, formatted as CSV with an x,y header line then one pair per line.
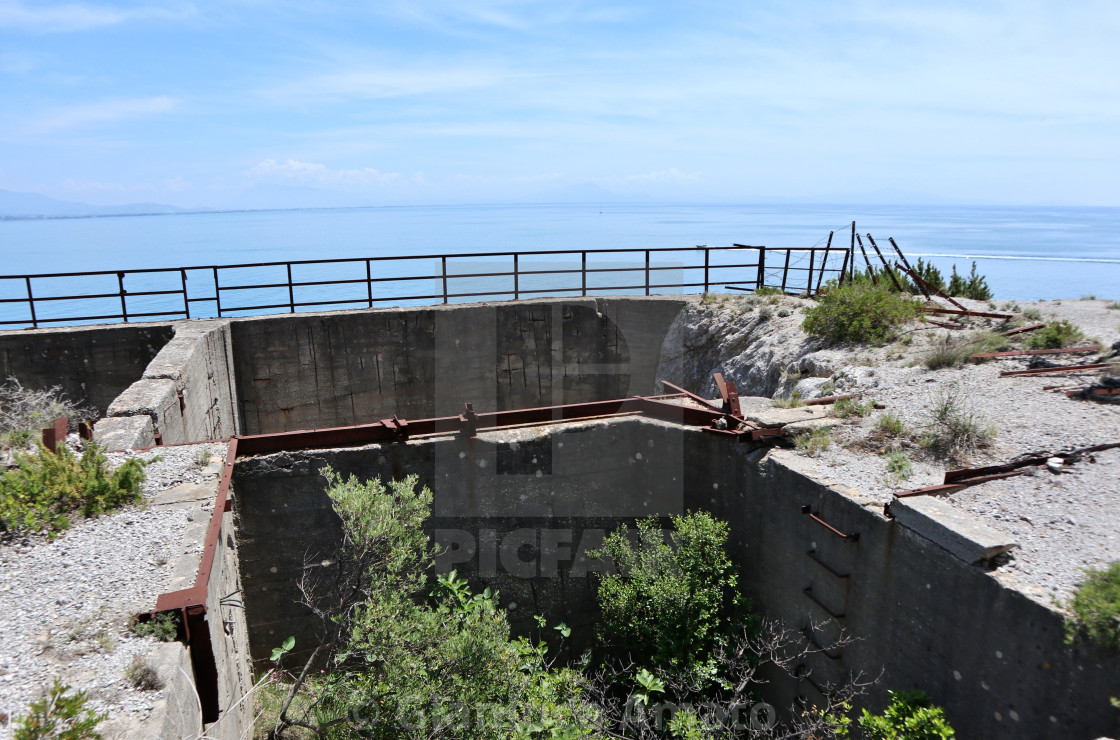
x,y
583,272
124,305
824,263
217,293
186,302
516,286
369,285
785,272
647,272
291,291
707,253
761,268
31,304
443,262
812,259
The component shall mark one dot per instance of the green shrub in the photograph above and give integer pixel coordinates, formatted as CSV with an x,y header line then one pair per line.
x,y
163,626
927,272
859,312
60,715
768,291
898,465
1033,314
949,353
975,286
846,408
670,605
909,716
814,442
1096,606
1056,334
955,429
47,487
792,402
891,425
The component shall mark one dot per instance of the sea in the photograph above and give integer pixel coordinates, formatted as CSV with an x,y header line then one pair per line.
x,y
1025,253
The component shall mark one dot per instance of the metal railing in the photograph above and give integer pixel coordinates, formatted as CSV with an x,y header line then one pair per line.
x,y
290,286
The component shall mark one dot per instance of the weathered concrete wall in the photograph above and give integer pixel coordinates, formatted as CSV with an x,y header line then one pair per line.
x,y
187,391
309,371
924,617
91,364
517,510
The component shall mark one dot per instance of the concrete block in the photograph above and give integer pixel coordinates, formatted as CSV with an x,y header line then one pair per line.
x,y
961,534
175,715
125,432
781,417
151,396
808,425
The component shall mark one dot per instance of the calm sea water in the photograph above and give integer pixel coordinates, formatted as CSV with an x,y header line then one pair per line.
x,y
1026,252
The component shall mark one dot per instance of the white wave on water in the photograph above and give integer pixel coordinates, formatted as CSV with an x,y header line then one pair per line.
x,y
1014,257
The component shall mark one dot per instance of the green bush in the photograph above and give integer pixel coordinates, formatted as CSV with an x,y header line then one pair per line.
x,y
890,425
1096,606
164,627
909,716
949,353
47,487
1056,334
670,606
859,312
927,272
846,408
975,286
59,715
815,442
955,428
898,465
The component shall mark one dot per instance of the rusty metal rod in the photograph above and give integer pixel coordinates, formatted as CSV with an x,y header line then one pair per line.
x,y
1029,352
1050,370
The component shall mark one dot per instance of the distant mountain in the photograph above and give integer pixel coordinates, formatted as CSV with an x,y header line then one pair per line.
x,y
33,205
270,197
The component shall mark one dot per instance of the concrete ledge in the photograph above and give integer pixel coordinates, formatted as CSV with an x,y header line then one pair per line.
x,y
125,432
190,339
176,714
959,533
151,396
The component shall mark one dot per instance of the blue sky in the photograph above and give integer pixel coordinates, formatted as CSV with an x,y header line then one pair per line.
x,y
227,103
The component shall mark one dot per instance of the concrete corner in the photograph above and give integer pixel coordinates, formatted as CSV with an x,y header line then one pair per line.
x,y
959,533
151,396
125,432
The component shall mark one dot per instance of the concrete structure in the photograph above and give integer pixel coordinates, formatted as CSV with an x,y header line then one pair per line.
x,y
519,508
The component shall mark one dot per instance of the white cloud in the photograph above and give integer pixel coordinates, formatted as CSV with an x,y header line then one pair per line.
x,y
670,175
389,81
310,173
75,16
108,110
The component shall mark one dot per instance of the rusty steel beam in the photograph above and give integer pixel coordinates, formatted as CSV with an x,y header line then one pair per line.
x,y
729,394
980,314
698,399
1023,329
1029,352
1050,370
886,267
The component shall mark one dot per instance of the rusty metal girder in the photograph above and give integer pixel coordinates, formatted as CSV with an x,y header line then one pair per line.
x,y
980,314
1022,329
1050,370
1030,352
729,394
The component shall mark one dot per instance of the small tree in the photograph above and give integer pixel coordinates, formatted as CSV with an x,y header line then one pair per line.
x,y
859,312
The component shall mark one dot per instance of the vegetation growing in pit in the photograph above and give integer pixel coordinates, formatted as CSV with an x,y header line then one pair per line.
x,y
48,487
859,312
1096,607
163,626
409,655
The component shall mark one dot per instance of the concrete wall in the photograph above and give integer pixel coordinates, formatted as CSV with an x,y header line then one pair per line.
x,y
925,618
185,394
515,510
91,364
309,371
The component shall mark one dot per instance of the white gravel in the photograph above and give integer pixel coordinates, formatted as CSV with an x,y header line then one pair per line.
x,y
67,602
1062,522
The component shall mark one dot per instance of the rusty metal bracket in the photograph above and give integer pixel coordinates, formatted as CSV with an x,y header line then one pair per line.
x,y
56,433
468,421
817,559
729,394
808,591
853,537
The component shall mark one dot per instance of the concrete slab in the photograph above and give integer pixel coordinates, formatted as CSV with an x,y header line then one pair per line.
x,y
958,532
125,432
808,425
151,396
184,495
780,417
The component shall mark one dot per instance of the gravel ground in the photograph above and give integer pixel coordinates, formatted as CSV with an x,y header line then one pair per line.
x,y
1063,522
68,601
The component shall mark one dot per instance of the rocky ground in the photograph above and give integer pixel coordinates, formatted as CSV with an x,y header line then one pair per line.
x,y
1063,522
68,601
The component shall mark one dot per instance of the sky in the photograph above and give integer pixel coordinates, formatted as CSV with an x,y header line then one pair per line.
x,y
266,102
